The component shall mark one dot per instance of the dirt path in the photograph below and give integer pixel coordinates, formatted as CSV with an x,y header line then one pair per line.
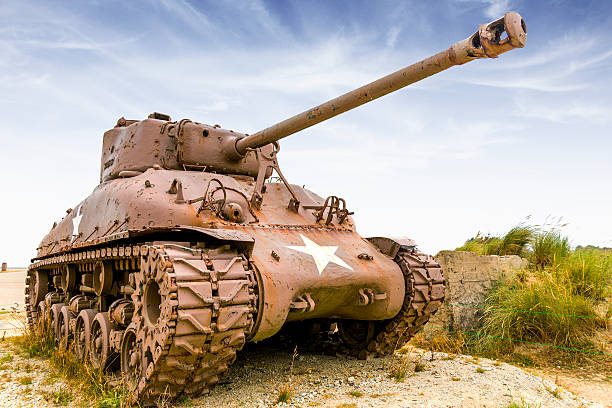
x,y
595,386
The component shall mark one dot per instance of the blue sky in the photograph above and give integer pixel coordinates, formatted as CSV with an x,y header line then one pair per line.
x,y
476,148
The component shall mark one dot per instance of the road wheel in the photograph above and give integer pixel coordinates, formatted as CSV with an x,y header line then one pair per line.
x,y
131,356
56,317
100,353
63,327
82,328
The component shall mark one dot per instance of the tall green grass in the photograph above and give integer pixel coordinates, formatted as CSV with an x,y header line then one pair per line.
x,y
514,242
544,308
589,271
549,247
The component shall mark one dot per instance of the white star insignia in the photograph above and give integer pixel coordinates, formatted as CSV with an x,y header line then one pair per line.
x,y
76,220
322,255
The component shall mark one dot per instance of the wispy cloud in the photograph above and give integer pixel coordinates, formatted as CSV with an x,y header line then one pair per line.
x,y
563,112
492,9
497,8
193,17
392,36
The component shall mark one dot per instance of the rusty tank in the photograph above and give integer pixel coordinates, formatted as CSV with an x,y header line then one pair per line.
x,y
189,248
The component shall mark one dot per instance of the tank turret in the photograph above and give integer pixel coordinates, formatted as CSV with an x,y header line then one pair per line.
x,y
188,248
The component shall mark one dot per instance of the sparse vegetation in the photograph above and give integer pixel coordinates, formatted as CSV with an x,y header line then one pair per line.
x,y
61,397
90,382
286,391
284,394
25,380
356,393
480,370
399,369
6,359
555,392
447,343
522,404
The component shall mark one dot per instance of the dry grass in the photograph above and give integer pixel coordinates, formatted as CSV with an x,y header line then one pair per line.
x,y
91,384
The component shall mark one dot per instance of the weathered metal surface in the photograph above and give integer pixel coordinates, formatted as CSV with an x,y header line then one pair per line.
x,y
186,250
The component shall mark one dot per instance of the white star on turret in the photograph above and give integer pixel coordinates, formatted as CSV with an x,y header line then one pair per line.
x,y
76,220
322,255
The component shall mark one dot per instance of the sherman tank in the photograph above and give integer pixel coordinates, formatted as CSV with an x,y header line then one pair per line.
x,y
189,248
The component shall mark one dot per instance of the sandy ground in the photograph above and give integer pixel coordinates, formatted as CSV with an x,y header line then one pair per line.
x,y
12,285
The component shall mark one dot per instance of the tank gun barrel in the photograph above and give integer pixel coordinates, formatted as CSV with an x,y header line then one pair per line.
x,y
491,40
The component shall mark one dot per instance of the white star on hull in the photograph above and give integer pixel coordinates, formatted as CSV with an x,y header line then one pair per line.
x,y
322,255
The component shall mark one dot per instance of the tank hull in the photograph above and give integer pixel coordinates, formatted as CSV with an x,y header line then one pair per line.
x,y
331,268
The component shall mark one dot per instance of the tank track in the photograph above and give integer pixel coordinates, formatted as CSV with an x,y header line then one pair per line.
x,y
425,286
207,308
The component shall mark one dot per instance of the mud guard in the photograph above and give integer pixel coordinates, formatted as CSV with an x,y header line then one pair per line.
x,y
391,246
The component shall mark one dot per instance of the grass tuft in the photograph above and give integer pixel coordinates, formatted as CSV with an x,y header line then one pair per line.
x,y
399,370
284,394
